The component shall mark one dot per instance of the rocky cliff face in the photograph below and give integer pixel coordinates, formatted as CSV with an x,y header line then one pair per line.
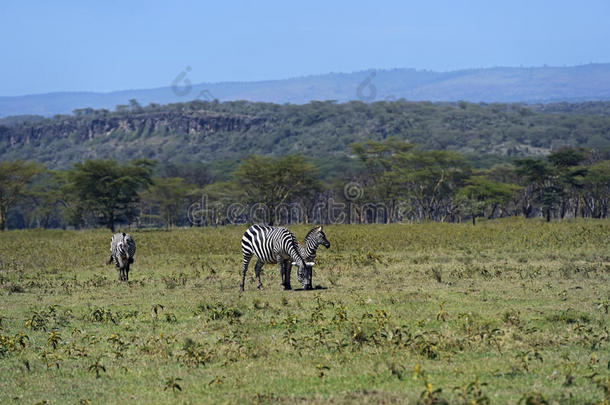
x,y
144,124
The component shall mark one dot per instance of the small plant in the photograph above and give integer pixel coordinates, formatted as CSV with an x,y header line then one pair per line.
x,y
216,381
322,370
512,317
290,325
604,305
472,393
603,383
156,309
525,358
340,316
194,354
437,273
258,304
118,345
37,321
431,396
358,335
426,344
50,359
54,339
533,398
398,370
102,315
442,314
172,383
97,367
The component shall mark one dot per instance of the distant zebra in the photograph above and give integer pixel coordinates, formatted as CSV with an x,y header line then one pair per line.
x,y
272,244
122,250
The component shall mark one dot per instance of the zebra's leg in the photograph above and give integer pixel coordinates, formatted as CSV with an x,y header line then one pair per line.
x,y
127,271
285,273
109,260
257,271
288,266
282,273
244,268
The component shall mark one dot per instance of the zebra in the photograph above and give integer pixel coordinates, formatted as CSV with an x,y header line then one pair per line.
x,y
122,249
313,239
308,248
272,245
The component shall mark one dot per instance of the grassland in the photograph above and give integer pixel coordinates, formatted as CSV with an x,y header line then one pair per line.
x,y
505,311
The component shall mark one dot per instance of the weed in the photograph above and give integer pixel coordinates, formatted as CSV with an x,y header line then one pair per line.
x,y
194,354
97,367
172,383
101,314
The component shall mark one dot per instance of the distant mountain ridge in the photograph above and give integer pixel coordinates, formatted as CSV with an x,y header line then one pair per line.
x,y
500,84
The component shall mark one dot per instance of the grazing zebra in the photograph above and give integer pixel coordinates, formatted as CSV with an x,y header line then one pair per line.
x,y
308,248
272,245
122,249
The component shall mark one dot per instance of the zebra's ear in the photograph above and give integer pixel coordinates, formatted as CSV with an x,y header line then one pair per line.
x,y
320,228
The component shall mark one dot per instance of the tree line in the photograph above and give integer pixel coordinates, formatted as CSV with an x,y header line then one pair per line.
x,y
204,131
388,181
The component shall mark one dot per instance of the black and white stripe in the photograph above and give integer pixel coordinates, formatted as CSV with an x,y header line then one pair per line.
x,y
313,239
272,245
122,250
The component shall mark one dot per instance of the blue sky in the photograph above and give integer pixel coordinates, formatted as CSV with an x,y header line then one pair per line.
x,y
114,45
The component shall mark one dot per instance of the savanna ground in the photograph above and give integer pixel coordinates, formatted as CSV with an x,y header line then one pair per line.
x,y
506,311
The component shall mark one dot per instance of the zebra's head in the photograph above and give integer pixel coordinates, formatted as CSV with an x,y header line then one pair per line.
x,y
304,274
318,236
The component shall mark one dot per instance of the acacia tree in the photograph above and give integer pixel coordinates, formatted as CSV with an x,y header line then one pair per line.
x,y
168,196
395,170
385,164
14,176
43,200
597,186
433,177
273,182
569,176
108,189
479,192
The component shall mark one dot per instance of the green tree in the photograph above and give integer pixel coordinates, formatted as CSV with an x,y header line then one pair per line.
x,y
542,188
480,192
108,189
272,182
14,176
44,198
395,170
168,195
597,186
386,163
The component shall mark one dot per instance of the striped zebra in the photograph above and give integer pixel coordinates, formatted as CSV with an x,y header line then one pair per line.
x,y
122,250
313,239
309,247
272,244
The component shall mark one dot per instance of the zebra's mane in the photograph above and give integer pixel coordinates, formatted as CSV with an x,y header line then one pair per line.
x,y
310,233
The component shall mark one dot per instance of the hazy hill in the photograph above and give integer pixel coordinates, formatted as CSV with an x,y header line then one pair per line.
x,y
530,85
213,131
